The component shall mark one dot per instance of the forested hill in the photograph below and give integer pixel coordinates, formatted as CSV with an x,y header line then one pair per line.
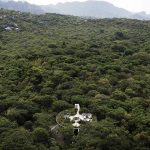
x,y
50,62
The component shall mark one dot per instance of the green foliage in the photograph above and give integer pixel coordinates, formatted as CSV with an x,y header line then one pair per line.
x,y
119,95
17,140
43,120
55,61
60,105
6,125
40,135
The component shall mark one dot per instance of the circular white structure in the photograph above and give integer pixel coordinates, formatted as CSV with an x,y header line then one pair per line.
x,y
67,118
79,117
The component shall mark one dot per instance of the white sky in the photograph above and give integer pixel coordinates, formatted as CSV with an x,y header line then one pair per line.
x,y
132,5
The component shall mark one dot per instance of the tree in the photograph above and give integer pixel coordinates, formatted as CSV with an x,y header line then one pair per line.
x,y
40,135
119,95
19,139
60,105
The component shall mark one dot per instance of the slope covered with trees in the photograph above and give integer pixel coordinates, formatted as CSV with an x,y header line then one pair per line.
x,y
53,61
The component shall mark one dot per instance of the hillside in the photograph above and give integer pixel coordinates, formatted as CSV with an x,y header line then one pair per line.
x,y
51,62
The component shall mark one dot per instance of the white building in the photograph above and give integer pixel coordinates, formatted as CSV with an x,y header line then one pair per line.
x,y
8,29
86,117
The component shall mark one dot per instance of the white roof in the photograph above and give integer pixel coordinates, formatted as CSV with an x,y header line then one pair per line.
x,y
8,28
76,124
77,106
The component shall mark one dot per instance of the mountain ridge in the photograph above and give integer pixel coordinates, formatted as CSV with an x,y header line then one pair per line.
x,y
21,6
94,9
98,9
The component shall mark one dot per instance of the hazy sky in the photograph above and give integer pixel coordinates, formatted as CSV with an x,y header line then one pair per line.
x,y
132,5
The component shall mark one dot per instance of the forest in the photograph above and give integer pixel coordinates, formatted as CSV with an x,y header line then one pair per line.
x,y
50,62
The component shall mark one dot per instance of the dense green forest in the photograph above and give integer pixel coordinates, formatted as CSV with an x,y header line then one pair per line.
x,y
50,62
